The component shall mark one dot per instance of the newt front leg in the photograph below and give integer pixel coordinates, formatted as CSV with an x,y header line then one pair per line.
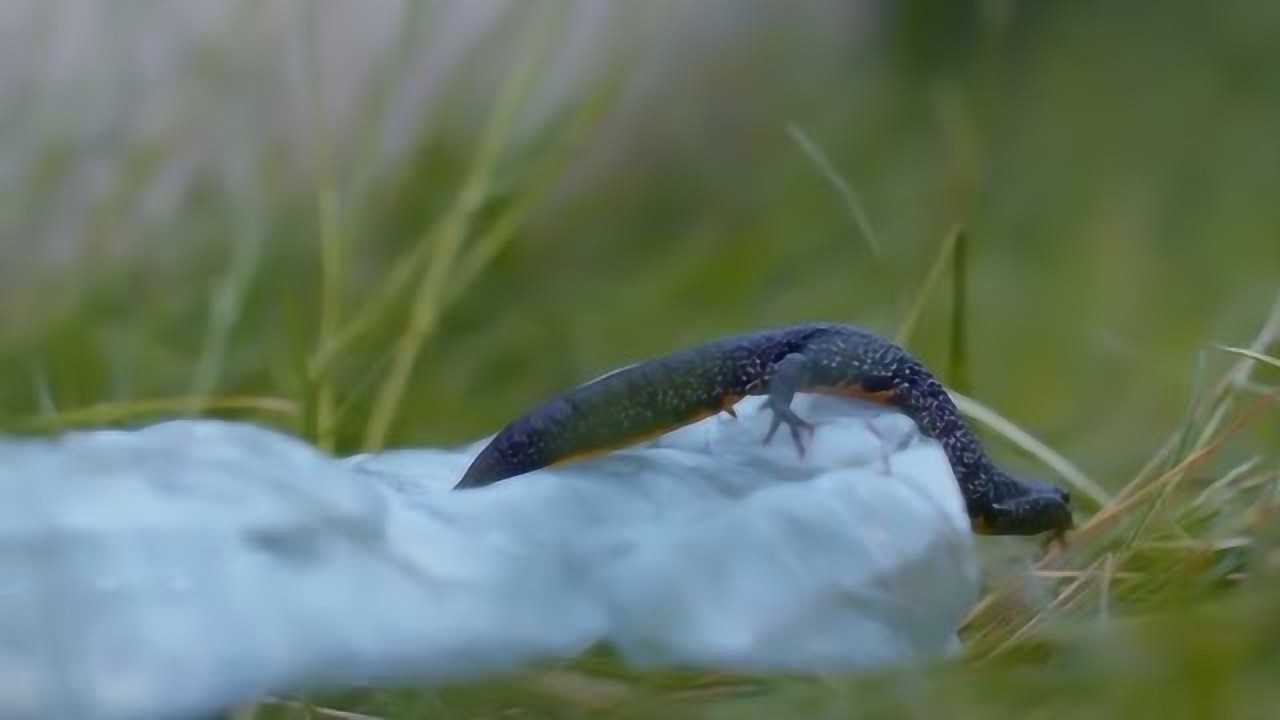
x,y
792,374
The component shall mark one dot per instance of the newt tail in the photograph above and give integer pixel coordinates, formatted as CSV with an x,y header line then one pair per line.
x,y
654,397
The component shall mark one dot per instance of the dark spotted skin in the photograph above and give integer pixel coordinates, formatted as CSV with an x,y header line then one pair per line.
x,y
654,397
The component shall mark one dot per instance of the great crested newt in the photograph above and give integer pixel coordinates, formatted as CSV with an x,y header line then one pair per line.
x,y
650,398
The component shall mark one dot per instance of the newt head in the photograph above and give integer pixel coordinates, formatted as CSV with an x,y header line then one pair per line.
x,y
1026,508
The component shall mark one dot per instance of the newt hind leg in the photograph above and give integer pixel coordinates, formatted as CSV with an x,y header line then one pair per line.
x,y
790,375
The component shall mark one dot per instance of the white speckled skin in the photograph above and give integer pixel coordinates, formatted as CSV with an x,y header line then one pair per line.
x,y
190,566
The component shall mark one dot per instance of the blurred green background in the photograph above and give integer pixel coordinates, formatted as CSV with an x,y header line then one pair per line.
x,y
403,224
1116,169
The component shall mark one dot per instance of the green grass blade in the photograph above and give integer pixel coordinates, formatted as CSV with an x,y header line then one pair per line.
x,y
908,325
490,243
1023,439
446,241
114,412
959,374
841,186
1252,355
332,252
230,297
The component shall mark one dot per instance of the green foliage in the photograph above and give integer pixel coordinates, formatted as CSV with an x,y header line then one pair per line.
x,y
1113,170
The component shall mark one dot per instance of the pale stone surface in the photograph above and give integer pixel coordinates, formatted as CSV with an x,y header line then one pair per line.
x,y
189,566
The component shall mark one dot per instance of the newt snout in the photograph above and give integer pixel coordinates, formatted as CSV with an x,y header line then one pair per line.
x,y
1026,508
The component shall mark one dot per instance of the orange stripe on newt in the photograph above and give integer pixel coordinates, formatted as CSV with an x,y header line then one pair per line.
x,y
882,397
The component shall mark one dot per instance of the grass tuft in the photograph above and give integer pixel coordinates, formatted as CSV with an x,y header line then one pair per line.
x,y
446,238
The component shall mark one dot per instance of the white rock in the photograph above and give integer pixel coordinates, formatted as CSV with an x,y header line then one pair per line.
x,y
194,565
